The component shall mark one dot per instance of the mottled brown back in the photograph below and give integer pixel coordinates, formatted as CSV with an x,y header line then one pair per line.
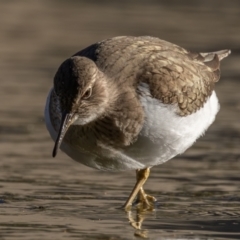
x,y
174,75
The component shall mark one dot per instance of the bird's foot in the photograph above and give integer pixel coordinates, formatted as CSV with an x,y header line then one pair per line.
x,y
144,201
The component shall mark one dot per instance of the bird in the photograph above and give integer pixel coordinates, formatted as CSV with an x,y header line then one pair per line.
x,y
131,103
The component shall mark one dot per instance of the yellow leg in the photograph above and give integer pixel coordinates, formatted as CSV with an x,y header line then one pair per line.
x,y
142,176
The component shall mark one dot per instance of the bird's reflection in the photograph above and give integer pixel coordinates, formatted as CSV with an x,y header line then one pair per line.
x,y
136,218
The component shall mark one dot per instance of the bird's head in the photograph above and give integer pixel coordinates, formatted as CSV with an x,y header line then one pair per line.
x,y
82,92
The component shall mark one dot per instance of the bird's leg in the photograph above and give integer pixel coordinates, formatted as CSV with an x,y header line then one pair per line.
x,y
142,176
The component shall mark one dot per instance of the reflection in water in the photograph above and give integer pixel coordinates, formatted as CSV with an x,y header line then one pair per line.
x,y
136,222
224,228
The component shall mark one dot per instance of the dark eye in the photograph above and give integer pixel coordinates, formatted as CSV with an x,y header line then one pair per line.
x,y
87,94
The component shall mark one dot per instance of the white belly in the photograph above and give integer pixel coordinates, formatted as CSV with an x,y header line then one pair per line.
x,y
164,135
171,133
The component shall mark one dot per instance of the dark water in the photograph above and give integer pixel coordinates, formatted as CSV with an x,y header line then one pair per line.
x,y
44,198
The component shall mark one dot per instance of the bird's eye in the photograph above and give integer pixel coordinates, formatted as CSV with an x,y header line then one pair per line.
x,y
87,94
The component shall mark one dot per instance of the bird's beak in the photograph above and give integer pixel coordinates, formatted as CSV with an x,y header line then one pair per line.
x,y
66,121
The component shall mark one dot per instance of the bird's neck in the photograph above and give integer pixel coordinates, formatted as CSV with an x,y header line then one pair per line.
x,y
122,124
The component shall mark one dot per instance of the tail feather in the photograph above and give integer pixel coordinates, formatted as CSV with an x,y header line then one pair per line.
x,y
210,56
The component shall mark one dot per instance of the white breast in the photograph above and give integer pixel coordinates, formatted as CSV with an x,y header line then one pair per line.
x,y
164,135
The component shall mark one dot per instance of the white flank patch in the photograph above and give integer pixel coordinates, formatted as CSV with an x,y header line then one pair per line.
x,y
174,133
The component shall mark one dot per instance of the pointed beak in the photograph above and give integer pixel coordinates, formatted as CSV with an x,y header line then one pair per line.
x,y
66,121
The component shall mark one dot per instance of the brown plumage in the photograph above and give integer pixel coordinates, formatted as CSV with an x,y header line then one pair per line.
x,y
132,103
174,74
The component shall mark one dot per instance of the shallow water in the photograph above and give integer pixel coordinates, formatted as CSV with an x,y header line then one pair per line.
x,y
44,198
